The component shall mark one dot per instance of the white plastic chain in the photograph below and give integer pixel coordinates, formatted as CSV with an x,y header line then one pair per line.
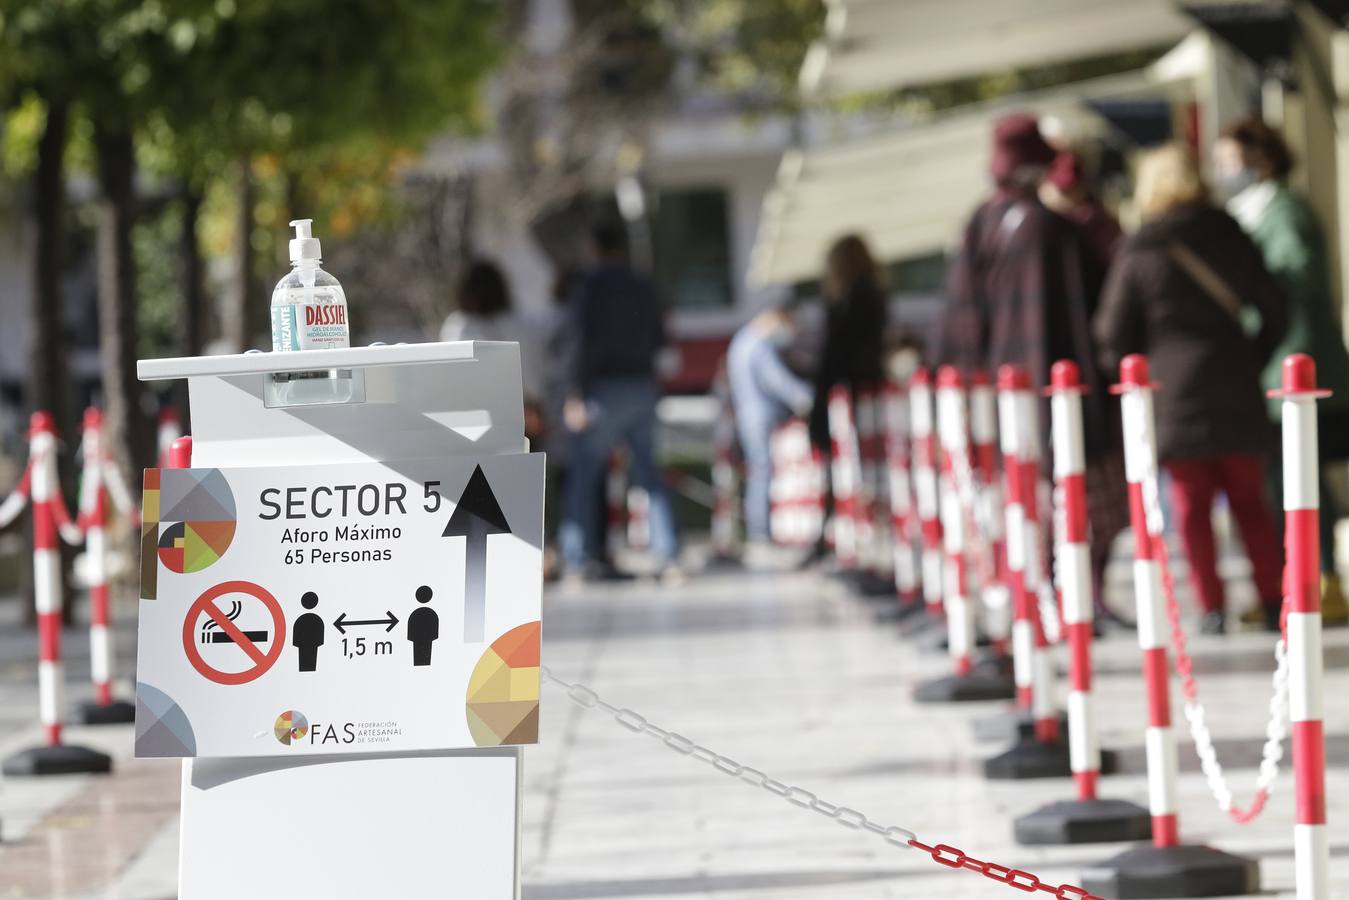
x,y
13,505
1047,594
1275,730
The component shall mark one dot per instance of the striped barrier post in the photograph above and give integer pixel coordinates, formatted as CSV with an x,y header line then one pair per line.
x,y
615,505
1302,511
900,493
845,476
872,524
1166,868
925,489
104,710
953,438
639,518
726,487
1087,819
180,453
167,432
989,513
797,492
1041,754
56,758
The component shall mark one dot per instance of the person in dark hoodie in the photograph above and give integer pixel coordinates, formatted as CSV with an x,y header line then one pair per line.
x,y
1021,290
1183,291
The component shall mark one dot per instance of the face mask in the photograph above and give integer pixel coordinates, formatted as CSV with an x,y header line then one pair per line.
x,y
780,337
1234,183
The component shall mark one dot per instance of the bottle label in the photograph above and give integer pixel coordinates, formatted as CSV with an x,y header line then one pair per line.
x,y
309,326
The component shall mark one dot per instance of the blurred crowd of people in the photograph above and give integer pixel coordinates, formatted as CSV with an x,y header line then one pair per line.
x,y
589,377
1216,287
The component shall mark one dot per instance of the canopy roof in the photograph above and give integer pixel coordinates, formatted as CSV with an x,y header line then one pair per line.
x,y
876,45
910,191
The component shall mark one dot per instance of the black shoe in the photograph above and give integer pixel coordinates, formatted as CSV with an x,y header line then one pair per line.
x,y
1213,623
1112,621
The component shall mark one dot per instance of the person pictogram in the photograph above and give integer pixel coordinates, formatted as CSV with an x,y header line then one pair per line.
x,y
423,628
307,635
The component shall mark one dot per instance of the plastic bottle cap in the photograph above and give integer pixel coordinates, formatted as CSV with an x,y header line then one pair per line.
x,y
304,245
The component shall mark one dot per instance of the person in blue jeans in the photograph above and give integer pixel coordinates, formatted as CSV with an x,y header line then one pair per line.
x,y
764,393
613,335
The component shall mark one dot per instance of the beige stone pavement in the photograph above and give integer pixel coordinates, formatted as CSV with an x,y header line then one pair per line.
x,y
786,673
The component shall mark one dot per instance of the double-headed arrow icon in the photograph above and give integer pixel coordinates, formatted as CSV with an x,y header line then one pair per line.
x,y
476,515
342,623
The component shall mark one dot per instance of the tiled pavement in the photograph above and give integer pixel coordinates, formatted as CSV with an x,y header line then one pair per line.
x,y
782,672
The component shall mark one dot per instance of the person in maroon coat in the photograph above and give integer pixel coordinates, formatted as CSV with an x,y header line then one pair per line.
x,y
1022,289
1186,290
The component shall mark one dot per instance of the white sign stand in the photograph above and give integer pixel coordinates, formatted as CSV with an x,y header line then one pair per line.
x,y
414,824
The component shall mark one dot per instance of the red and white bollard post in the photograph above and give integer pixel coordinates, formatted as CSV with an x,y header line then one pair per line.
x,y
845,477
925,493
1088,819
1166,868
725,488
988,514
956,508
104,710
1041,754
1302,512
168,431
901,498
873,520
615,505
56,758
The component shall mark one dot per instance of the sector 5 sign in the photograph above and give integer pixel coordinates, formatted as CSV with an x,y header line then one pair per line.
x,y
341,608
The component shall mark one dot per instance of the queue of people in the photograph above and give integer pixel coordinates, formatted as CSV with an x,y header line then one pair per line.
x,y
1215,296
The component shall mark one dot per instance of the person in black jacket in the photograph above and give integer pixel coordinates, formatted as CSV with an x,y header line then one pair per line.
x,y
854,336
614,332
1190,290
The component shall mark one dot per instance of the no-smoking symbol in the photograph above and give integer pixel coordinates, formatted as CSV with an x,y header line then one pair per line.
x,y
213,621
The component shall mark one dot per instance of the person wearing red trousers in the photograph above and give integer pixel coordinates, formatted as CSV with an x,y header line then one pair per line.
x,y
1191,291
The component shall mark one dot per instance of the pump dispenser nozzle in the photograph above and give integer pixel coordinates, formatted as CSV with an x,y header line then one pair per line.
x,y
304,245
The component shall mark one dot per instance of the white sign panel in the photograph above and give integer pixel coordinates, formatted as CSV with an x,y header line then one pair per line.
x,y
340,608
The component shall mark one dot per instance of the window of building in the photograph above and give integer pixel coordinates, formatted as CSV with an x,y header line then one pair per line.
x,y
692,248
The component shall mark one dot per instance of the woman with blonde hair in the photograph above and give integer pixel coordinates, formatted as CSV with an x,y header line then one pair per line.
x,y
1182,292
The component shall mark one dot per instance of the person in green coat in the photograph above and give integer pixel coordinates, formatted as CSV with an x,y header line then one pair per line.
x,y
1251,163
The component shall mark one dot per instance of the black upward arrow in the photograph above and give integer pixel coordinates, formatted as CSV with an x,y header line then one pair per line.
x,y
342,623
476,515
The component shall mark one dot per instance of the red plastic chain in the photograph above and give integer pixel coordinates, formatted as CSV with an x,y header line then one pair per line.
x,y
1185,666
955,858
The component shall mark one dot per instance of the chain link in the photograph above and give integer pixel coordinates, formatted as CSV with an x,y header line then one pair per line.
x,y
944,854
1277,727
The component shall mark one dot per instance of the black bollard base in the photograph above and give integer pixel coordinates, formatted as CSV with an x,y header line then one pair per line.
x,y
1084,822
118,712
917,626
1030,759
63,760
874,586
970,688
1012,726
894,611
1000,666
1190,870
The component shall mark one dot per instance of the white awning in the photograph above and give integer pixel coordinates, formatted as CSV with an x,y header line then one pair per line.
x,y
908,192
877,45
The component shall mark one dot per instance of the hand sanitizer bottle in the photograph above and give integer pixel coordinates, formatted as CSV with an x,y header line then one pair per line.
x,y
309,309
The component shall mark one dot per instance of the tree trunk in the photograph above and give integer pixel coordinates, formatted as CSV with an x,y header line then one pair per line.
x,y
48,386
126,426
239,319
194,294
